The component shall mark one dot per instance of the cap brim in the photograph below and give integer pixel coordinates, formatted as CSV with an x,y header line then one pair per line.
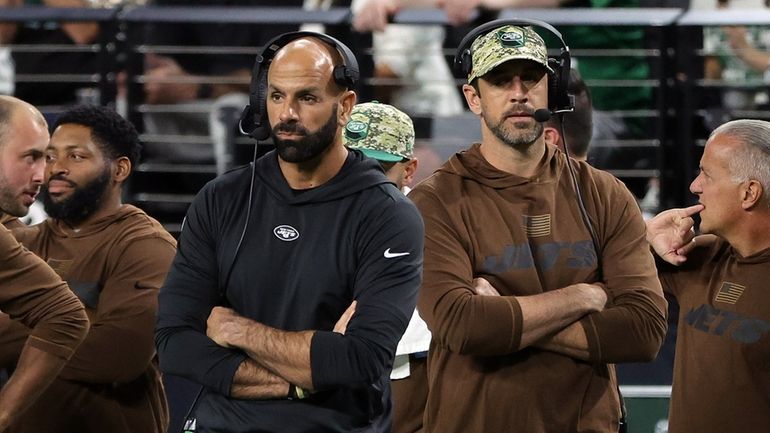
x,y
494,65
380,155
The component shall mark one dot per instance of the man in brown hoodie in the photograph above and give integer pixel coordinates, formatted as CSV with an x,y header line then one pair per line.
x,y
114,257
529,306
721,381
31,292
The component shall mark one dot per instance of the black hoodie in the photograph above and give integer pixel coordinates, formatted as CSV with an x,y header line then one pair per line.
x,y
305,257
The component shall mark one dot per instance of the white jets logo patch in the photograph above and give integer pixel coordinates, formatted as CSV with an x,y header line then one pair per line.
x,y
389,255
286,233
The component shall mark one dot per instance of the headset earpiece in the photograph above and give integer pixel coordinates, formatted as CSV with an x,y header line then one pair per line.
x,y
558,81
254,121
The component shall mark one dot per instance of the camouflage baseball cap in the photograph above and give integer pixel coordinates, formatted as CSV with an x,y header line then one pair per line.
x,y
492,49
380,131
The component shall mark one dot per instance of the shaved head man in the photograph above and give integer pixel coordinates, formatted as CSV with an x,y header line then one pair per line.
x,y
296,276
31,291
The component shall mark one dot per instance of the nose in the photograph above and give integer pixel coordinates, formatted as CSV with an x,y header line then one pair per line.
x,y
695,186
38,171
55,166
288,111
518,89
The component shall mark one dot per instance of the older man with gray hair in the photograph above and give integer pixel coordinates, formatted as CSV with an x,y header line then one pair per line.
x,y
721,377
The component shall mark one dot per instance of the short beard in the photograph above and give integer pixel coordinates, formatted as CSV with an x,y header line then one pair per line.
x,y
311,145
521,136
83,202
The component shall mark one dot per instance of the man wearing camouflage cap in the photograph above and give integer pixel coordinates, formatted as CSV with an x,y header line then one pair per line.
x,y
384,133
527,312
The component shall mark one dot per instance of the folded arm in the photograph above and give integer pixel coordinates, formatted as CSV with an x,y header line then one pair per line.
x,y
568,336
126,312
34,295
283,353
253,380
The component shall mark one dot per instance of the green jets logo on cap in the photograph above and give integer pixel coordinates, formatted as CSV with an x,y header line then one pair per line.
x,y
511,39
356,130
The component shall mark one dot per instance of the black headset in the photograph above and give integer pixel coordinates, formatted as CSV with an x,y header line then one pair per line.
x,y
559,99
254,121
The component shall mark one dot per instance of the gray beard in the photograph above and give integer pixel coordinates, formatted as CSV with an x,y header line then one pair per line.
x,y
516,137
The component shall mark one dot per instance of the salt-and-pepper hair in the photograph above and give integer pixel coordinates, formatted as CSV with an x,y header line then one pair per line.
x,y
752,160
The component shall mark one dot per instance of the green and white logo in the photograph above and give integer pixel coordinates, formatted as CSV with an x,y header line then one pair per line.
x,y
511,38
356,130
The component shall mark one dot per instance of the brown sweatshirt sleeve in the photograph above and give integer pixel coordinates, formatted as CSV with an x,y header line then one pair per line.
x,y
121,344
460,320
35,295
632,327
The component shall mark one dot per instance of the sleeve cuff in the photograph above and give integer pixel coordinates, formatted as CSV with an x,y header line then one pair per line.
x,y
518,323
57,350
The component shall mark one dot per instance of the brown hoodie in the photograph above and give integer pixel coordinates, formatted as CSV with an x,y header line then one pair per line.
x,y
722,365
116,266
33,294
526,236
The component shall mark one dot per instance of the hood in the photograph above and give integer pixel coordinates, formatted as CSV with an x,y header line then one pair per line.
x,y
471,164
357,173
59,228
6,218
762,256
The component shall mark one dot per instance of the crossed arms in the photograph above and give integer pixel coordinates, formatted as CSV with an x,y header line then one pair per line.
x,y
238,355
618,319
276,359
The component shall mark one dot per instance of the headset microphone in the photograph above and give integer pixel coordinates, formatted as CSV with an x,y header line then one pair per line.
x,y
542,115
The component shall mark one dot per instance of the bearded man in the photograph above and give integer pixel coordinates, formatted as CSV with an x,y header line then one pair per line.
x,y
114,258
272,255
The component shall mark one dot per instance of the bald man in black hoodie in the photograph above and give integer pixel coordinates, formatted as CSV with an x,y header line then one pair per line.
x,y
325,228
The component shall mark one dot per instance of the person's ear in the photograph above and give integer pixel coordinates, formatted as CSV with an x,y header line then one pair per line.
x,y
751,193
122,169
346,104
552,136
472,97
409,170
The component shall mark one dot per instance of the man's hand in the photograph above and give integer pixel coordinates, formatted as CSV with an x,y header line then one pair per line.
x,y
372,15
161,88
482,287
736,37
593,296
670,233
224,326
458,11
342,324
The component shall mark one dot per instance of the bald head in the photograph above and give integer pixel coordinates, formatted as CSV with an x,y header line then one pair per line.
x,y
307,57
10,107
23,140
306,107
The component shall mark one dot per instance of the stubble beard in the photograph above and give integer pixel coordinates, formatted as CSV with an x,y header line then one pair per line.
x,y
520,134
9,202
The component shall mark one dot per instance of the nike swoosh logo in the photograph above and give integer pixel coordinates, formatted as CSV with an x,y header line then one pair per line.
x,y
389,255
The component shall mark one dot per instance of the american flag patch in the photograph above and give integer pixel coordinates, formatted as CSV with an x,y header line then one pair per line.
x,y
729,293
537,225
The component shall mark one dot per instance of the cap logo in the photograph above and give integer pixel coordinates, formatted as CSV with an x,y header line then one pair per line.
x,y
511,39
356,130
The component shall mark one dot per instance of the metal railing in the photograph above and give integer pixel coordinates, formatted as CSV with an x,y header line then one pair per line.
x,y
674,58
